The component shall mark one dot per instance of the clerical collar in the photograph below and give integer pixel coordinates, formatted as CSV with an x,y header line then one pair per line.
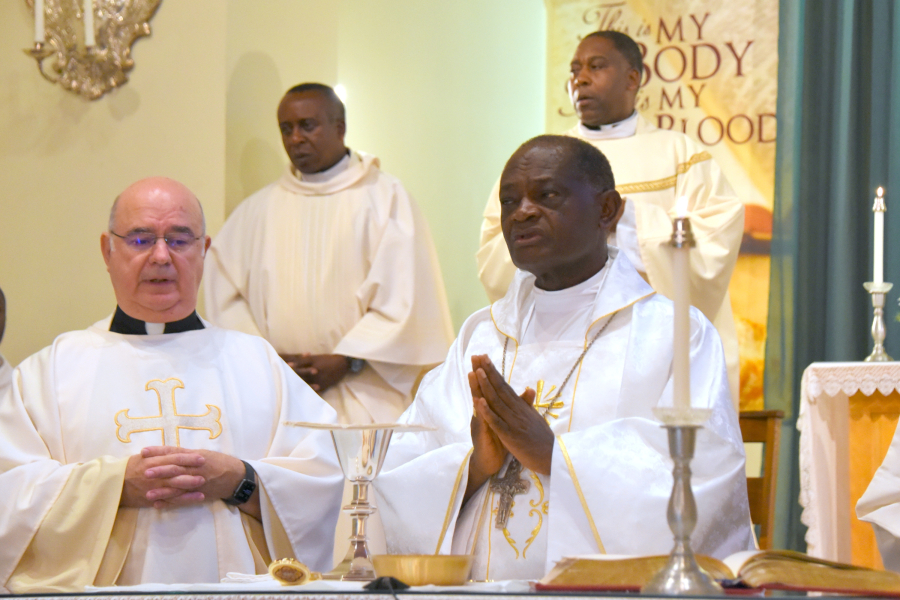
x,y
563,315
122,323
622,129
329,173
566,299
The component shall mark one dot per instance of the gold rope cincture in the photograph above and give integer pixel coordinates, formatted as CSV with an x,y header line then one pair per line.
x,y
512,483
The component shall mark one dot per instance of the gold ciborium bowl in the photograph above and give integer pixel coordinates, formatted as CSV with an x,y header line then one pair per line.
x,y
425,569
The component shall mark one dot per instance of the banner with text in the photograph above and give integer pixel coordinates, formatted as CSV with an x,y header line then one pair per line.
x,y
710,71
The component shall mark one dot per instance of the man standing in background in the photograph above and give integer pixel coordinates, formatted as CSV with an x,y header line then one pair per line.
x,y
653,168
334,265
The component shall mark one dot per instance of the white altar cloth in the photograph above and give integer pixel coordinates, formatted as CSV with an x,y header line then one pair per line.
x,y
238,585
823,424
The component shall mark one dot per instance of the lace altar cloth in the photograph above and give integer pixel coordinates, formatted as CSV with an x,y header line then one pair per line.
x,y
824,461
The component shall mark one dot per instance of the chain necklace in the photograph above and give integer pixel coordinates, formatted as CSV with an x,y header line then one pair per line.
x,y
512,483
574,366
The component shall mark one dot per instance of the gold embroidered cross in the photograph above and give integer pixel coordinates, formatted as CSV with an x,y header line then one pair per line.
x,y
550,403
168,421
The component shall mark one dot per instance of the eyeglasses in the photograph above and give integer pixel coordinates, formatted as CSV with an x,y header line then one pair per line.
x,y
177,241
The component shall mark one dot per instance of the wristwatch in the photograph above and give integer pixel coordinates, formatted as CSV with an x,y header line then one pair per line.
x,y
356,364
244,489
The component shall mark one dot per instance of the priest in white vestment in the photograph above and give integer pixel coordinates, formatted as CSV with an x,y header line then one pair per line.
x,y
563,374
653,168
334,265
152,447
880,506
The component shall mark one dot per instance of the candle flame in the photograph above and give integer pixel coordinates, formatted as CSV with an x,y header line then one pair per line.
x,y
681,207
880,192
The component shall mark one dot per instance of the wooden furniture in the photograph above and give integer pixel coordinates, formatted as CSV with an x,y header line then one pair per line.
x,y
763,426
848,414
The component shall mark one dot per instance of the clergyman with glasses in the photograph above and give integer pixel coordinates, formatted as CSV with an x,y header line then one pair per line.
x,y
150,447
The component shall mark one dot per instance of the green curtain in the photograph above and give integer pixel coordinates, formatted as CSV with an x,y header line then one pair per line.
x,y
838,139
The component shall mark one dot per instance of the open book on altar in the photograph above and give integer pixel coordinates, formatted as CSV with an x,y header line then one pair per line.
x,y
765,569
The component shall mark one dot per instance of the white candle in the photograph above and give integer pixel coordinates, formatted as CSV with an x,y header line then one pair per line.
x,y
39,21
89,23
682,335
878,264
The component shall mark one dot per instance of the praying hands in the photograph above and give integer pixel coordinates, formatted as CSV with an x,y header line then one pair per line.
x,y
504,422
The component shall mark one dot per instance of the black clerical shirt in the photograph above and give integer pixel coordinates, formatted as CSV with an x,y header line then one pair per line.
x,y
122,323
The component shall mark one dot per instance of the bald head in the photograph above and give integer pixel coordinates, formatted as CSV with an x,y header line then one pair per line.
x,y
150,181
154,250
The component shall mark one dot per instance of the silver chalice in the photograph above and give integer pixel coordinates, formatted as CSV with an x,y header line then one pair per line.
x,y
361,450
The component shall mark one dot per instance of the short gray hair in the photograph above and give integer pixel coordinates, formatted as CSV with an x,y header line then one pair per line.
x,y
112,215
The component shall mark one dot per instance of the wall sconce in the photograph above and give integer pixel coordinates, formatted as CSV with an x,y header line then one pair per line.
x,y
85,45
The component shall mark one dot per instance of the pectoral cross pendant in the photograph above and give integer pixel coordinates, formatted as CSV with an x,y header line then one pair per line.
x,y
508,487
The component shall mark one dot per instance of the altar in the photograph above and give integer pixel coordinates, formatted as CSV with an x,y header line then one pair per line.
x,y
848,414
265,588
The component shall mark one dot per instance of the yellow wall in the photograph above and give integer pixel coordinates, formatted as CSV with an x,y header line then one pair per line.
x,y
442,92
268,52
63,160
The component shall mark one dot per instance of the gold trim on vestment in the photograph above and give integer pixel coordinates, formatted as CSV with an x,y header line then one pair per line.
x,y
484,507
586,342
587,511
509,539
487,569
449,514
665,182
516,354
548,403
536,509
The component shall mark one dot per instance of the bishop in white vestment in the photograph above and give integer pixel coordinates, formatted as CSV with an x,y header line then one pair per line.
x,y
334,260
594,358
152,447
653,167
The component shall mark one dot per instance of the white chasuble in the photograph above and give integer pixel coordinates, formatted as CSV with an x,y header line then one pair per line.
x,y
343,266
610,478
653,168
79,408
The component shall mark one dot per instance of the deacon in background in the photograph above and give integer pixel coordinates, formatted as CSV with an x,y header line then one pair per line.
x,y
880,506
151,447
5,369
334,265
562,454
653,168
